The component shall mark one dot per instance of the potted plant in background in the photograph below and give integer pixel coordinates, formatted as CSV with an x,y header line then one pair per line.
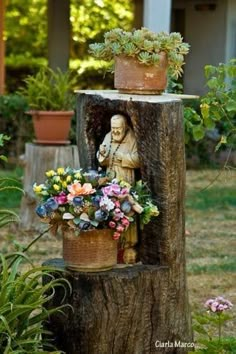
x,y
142,58
51,100
92,213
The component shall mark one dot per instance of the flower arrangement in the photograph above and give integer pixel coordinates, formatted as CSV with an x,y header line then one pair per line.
x,y
73,199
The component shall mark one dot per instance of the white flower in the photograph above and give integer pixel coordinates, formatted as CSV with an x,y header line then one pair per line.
x,y
107,203
67,216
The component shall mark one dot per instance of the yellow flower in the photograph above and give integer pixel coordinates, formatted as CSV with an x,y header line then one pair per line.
x,y
50,173
56,179
60,171
125,184
56,187
37,188
64,184
78,175
68,179
154,211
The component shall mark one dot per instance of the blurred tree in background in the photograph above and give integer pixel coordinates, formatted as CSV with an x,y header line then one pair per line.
x,y
26,34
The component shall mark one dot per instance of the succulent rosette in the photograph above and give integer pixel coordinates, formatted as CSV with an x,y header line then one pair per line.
x,y
78,200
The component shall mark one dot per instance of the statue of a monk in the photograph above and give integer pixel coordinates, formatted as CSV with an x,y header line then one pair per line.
x,y
118,153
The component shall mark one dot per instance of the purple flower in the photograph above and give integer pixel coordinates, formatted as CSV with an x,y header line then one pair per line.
x,y
219,304
112,190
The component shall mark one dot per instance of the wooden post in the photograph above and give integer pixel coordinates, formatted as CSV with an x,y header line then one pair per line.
x,y
37,160
133,310
58,34
2,47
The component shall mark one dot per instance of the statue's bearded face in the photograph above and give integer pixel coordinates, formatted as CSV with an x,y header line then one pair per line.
x,y
118,129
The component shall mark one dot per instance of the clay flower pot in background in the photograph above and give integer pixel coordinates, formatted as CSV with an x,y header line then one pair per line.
x,y
51,127
51,100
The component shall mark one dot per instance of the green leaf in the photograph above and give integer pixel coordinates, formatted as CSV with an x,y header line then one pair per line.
x,y
231,106
222,141
198,132
212,83
4,158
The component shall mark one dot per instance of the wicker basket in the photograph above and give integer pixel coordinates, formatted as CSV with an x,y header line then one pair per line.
x,y
91,251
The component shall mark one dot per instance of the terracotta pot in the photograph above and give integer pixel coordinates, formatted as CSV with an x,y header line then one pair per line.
x,y
51,127
131,76
91,251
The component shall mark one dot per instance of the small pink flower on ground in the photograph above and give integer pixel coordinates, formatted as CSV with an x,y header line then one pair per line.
x,y
219,304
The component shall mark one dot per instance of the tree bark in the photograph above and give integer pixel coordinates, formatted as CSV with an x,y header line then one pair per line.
x,y
148,302
121,311
37,160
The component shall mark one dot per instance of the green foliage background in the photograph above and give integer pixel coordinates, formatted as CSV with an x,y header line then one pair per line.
x,y
26,34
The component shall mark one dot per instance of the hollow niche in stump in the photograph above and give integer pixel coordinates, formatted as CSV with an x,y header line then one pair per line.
x,y
139,308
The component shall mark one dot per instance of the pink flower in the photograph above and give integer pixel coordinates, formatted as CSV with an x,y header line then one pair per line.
x,y
117,204
116,218
112,190
112,224
116,236
120,228
77,189
125,222
219,304
61,198
124,191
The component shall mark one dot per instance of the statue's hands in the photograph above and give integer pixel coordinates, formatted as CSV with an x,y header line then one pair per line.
x,y
118,156
102,150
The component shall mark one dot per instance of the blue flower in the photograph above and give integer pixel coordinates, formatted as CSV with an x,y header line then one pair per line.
x,y
84,225
101,215
78,201
51,204
126,207
96,200
41,211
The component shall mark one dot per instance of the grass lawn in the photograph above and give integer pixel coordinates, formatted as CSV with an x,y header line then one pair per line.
x,y
210,237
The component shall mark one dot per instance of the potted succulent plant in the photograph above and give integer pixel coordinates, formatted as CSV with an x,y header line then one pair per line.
x,y
50,97
154,54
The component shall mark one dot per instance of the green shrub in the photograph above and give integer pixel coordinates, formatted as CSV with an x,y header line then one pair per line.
x,y
22,310
216,109
15,123
23,297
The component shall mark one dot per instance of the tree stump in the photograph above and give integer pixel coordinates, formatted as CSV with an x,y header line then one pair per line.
x,y
136,309
37,160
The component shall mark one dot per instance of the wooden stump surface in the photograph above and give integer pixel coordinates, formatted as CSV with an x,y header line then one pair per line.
x,y
124,311
121,311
